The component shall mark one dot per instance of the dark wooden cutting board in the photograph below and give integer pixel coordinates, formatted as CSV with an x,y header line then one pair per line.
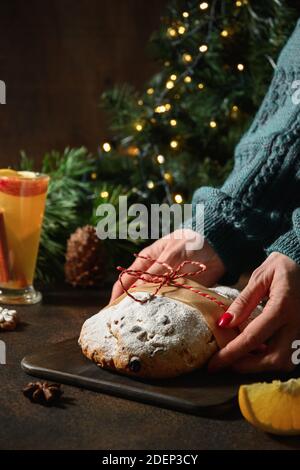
x,y
197,393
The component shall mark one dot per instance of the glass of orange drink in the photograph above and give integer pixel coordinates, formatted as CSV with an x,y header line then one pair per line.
x,y
22,206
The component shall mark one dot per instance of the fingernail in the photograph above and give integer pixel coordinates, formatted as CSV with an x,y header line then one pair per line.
x,y
225,319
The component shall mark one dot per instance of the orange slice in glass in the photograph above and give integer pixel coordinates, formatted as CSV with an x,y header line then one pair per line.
x,y
22,183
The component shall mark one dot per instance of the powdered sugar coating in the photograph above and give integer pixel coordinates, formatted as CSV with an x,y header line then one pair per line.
x,y
168,337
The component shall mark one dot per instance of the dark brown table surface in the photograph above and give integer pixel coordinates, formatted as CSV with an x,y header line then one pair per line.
x,y
91,420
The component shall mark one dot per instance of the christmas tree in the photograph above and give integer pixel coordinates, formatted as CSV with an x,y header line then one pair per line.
x,y
217,59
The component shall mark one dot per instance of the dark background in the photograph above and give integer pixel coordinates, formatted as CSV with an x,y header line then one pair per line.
x,y
56,57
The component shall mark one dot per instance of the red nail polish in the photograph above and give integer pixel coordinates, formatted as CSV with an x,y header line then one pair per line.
x,y
225,319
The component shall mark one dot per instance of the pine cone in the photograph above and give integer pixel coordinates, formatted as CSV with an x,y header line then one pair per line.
x,y
85,258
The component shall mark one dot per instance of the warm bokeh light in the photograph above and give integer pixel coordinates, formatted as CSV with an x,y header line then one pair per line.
x,y
172,32
168,177
178,198
187,57
203,48
139,127
160,159
203,5
150,184
224,33
160,109
106,147
169,85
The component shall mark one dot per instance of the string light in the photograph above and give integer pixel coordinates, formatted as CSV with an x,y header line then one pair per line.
x,y
187,57
203,6
167,63
185,14
203,48
174,144
234,112
187,79
200,86
93,176
181,30
160,109
140,102
238,3
178,198
172,32
139,127
173,77
240,67
150,91
160,159
170,85
224,33
213,124
167,106
173,122
104,194
150,184
168,177
106,147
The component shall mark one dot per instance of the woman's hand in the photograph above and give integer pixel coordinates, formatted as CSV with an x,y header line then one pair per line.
x,y
276,327
181,245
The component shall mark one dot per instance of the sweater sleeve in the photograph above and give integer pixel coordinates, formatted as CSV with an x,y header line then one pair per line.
x,y
289,242
253,207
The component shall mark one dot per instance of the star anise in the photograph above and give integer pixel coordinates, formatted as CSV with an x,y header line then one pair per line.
x,y
43,393
8,319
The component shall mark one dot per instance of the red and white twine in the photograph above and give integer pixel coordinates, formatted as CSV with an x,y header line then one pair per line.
x,y
168,278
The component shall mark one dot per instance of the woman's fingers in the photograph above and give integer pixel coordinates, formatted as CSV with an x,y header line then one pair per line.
x,y
256,333
277,356
155,269
140,264
245,303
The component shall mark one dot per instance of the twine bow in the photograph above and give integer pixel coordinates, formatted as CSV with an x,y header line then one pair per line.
x,y
168,278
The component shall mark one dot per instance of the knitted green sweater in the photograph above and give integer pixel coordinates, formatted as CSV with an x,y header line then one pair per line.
x,y
257,210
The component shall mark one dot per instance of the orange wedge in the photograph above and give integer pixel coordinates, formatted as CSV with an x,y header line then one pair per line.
x,y
8,172
273,407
